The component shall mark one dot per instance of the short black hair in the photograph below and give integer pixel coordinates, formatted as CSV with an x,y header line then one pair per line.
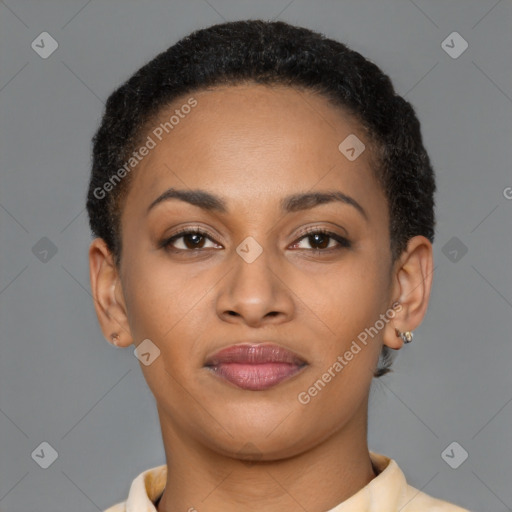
x,y
270,53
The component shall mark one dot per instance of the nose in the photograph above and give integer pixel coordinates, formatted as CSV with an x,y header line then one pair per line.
x,y
255,292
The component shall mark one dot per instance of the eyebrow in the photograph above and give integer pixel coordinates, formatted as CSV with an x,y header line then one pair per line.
x,y
293,203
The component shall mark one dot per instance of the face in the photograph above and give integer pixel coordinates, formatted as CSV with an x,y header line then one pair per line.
x,y
282,286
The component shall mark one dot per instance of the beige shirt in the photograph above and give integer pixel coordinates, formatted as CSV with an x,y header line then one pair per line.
x,y
387,492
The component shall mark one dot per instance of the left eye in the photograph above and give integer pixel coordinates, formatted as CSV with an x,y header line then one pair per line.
x,y
322,239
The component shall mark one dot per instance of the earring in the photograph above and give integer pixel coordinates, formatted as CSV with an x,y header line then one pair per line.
x,y
115,338
406,336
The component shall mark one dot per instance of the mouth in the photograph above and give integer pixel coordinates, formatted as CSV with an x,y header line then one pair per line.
x,y
255,367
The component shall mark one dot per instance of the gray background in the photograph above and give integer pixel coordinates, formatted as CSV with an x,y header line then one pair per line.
x,y
62,383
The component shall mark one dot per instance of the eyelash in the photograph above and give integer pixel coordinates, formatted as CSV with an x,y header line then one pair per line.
x,y
342,241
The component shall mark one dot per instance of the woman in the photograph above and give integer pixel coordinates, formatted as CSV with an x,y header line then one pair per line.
x,y
264,216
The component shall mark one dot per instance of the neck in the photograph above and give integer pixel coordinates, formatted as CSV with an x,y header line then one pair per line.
x,y
316,480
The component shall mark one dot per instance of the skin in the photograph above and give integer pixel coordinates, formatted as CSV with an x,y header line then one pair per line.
x,y
228,448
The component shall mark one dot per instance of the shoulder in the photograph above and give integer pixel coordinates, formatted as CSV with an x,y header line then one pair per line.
x,y
416,500
118,507
391,485
144,490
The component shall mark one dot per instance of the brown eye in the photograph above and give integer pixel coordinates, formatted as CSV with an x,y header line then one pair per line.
x,y
320,240
193,239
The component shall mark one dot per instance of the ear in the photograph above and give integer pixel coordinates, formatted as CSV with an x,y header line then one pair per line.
x,y
412,283
107,294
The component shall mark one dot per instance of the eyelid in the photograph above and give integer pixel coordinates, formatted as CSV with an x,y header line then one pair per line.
x,y
318,229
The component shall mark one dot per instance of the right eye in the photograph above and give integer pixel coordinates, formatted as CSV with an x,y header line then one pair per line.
x,y
193,240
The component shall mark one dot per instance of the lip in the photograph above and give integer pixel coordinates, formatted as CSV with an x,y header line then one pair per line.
x,y
255,367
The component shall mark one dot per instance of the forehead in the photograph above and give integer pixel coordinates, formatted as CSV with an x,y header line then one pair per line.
x,y
251,143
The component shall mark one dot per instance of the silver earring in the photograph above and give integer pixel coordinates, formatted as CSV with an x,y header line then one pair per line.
x,y
406,336
115,338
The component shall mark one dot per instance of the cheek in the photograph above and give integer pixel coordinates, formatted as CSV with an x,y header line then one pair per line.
x,y
153,298
346,295
348,302
168,306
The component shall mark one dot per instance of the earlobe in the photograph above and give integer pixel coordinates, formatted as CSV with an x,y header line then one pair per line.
x,y
105,287
412,283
